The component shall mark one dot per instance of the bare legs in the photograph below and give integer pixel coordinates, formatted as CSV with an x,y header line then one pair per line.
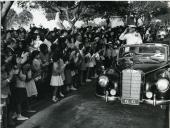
x,y
54,94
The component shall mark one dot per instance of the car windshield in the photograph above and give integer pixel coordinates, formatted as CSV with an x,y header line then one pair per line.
x,y
144,53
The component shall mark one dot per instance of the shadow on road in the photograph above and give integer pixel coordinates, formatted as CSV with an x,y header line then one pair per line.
x,y
85,110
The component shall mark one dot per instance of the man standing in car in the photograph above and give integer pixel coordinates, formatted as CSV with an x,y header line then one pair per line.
x,y
131,36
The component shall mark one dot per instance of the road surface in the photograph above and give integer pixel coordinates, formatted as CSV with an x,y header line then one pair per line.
x,y
85,110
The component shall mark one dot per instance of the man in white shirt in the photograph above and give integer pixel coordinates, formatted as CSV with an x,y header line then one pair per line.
x,y
131,36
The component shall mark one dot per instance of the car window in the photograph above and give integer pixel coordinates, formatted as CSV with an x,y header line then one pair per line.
x,y
148,51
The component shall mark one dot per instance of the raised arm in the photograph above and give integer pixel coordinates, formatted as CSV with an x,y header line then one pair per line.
x,y
123,35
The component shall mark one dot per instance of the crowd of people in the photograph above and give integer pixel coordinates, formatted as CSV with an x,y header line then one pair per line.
x,y
39,61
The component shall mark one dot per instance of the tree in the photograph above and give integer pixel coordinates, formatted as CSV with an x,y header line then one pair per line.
x,y
79,10
24,17
107,9
11,18
5,7
165,18
146,10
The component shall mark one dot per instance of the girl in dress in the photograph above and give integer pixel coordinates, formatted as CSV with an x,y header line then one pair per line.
x,y
56,78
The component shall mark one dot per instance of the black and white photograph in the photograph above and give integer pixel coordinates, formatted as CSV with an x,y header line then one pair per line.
x,y
85,64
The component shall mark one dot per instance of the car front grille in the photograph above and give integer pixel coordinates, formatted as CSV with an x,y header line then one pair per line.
x,y
131,84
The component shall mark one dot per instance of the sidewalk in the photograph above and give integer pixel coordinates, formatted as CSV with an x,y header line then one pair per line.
x,y
45,107
40,106
36,120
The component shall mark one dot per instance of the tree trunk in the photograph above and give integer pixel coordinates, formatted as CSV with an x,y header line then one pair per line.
x,y
4,11
108,21
67,16
87,22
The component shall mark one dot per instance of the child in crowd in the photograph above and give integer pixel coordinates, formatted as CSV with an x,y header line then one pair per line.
x,y
56,78
82,67
30,86
21,93
67,71
6,77
88,64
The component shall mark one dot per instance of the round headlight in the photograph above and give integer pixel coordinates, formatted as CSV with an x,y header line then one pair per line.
x,y
162,85
113,92
103,80
149,94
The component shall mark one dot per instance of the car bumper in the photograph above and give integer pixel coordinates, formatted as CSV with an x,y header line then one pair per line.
x,y
109,98
147,101
156,102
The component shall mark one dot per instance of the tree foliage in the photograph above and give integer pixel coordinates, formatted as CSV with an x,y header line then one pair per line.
x,y
23,18
79,10
5,7
146,10
85,10
165,17
11,18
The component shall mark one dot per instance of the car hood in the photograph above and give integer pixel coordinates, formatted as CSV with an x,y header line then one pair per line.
x,y
148,68
145,67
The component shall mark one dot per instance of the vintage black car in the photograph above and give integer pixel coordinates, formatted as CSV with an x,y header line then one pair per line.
x,y
141,75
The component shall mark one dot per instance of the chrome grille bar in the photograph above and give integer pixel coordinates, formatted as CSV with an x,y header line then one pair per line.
x,y
131,84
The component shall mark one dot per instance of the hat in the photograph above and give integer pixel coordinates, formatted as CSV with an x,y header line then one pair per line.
x,y
132,26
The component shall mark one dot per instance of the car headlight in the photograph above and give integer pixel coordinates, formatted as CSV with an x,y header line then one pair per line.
x,y
113,92
103,80
149,94
162,85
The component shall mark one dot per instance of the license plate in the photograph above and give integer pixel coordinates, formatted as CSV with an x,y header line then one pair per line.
x,y
130,101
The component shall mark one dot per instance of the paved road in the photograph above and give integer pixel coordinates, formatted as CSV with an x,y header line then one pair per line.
x,y
85,110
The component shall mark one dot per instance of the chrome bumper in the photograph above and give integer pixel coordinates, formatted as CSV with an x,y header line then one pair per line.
x,y
147,101
156,102
108,98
